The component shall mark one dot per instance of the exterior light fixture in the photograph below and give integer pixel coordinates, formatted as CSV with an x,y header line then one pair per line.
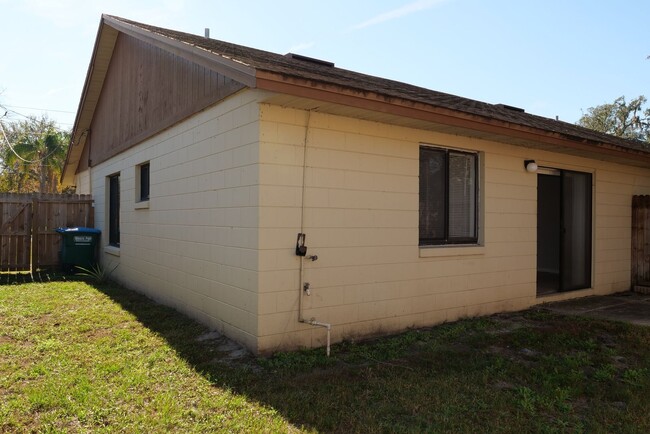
x,y
530,166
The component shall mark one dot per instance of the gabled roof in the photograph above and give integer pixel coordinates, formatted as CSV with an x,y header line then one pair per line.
x,y
321,81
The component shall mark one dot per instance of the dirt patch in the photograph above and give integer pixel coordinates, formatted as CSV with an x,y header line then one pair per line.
x,y
4,339
510,322
44,319
99,333
229,349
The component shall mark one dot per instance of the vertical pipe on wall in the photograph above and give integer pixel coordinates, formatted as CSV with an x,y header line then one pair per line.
x,y
302,288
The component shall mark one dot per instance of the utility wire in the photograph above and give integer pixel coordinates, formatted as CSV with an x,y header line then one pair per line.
x,y
8,110
16,153
36,108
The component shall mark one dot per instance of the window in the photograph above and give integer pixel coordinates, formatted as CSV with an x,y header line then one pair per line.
x,y
114,210
448,196
142,176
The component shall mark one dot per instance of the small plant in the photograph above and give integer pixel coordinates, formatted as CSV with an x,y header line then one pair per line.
x,y
305,360
605,372
635,377
96,272
526,399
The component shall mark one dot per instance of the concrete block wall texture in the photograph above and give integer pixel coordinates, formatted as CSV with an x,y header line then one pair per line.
x,y
195,246
361,219
217,241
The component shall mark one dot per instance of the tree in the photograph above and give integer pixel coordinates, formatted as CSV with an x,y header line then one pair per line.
x,y
620,118
33,152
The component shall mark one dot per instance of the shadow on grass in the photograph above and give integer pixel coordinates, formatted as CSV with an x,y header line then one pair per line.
x,y
279,389
453,378
389,385
38,276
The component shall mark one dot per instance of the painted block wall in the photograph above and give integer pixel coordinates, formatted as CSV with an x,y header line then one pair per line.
x,y
194,244
361,219
217,239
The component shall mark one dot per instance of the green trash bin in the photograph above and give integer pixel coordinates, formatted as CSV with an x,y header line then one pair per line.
x,y
78,247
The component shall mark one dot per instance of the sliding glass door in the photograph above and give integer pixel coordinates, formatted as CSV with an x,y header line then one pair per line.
x,y
564,230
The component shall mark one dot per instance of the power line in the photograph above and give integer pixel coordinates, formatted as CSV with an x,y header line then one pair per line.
x,y
37,108
16,153
7,111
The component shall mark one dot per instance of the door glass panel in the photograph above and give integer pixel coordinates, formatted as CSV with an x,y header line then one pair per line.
x,y
549,222
575,255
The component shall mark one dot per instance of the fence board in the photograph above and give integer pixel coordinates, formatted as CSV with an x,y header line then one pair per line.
x,y
27,224
640,240
55,211
15,239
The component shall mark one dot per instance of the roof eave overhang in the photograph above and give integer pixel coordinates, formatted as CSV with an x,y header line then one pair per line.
x,y
97,68
300,87
337,94
109,28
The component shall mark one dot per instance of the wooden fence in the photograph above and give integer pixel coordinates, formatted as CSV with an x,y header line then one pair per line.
x,y
640,240
27,223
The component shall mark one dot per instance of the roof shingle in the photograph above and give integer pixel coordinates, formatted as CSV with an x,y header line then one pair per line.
x,y
285,65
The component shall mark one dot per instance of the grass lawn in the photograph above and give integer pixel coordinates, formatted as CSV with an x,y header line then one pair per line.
x,y
80,358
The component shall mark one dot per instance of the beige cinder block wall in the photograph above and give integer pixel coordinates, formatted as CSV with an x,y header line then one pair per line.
x,y
361,219
217,239
195,246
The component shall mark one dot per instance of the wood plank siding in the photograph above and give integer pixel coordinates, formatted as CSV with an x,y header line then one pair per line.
x,y
146,91
28,240
640,240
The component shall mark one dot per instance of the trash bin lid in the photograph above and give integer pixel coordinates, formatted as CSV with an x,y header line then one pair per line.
x,y
80,230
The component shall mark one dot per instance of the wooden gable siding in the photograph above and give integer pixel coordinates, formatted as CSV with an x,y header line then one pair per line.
x,y
147,90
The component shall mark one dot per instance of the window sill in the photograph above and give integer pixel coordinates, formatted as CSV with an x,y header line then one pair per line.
x,y
141,205
112,250
450,250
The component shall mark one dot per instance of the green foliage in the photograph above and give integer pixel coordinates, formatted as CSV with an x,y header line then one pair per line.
x,y
636,377
630,120
82,358
605,372
96,273
77,361
303,360
526,399
33,158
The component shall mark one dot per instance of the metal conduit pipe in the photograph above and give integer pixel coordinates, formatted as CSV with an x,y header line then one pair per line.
x,y
304,287
302,217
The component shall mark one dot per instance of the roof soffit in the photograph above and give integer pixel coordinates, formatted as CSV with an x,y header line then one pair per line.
x,y
97,69
460,121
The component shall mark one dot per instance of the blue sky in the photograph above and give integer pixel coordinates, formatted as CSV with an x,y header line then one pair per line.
x,y
551,57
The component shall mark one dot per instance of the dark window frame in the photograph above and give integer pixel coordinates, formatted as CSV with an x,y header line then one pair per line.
x,y
447,239
144,174
114,210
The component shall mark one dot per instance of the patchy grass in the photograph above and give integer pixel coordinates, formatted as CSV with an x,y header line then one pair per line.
x,y
78,358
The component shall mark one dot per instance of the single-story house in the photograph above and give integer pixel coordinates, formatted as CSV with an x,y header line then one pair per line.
x,y
282,200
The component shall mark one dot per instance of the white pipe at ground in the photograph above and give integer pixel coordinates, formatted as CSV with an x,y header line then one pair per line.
x,y
328,327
